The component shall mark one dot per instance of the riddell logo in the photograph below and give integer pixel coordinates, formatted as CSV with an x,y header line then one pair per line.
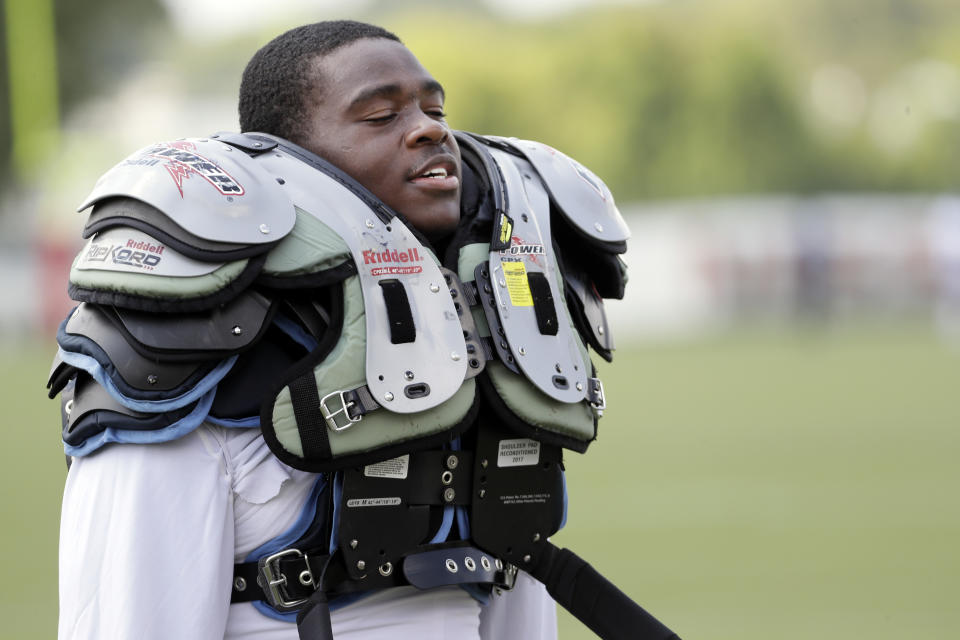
x,y
145,246
396,258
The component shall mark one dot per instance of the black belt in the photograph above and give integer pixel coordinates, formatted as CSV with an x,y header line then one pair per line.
x,y
287,579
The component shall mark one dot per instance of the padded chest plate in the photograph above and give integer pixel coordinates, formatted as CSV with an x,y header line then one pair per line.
x,y
524,281
415,350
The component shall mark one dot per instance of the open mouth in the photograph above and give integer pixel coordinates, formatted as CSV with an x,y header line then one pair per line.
x,y
439,175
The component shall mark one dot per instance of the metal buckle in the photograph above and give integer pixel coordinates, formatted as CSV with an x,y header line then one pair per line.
x,y
273,581
330,416
599,399
507,578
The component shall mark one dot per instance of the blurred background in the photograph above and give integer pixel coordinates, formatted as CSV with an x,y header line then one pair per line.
x,y
779,459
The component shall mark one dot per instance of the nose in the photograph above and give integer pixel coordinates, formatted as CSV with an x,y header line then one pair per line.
x,y
427,130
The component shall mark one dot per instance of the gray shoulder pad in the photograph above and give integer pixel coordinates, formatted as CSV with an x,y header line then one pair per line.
x,y
211,189
581,196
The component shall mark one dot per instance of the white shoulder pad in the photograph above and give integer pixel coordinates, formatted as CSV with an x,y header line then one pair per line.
x,y
582,197
209,188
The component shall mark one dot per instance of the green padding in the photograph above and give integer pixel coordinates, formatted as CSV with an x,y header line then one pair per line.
x,y
285,425
154,286
345,368
523,398
470,256
310,247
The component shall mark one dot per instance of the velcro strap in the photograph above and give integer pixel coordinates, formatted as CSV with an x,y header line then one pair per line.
x,y
399,314
310,420
543,305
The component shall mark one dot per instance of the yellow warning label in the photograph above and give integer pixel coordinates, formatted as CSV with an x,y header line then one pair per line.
x,y
515,275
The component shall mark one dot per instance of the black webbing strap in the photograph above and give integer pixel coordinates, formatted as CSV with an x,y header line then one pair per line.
x,y
543,305
310,421
594,600
399,315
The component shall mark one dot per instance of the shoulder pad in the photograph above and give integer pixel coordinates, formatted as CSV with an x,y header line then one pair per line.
x,y
581,196
211,189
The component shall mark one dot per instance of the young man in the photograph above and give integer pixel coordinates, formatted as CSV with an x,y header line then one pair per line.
x,y
309,355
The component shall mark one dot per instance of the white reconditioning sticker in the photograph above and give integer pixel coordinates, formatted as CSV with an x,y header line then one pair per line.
x,y
520,452
394,468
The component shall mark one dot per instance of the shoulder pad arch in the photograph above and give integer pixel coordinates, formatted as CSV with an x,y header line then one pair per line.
x,y
582,197
211,189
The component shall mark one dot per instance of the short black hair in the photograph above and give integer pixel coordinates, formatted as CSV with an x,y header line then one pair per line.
x,y
278,77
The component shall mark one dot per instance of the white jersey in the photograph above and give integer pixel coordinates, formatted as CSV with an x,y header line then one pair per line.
x,y
150,533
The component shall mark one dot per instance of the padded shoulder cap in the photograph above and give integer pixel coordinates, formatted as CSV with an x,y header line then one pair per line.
x,y
210,188
582,197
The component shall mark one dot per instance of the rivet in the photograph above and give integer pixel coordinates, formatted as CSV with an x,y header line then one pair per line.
x,y
361,565
240,584
449,494
454,356
281,181
446,478
501,282
469,564
536,537
388,396
527,558
408,375
451,565
257,144
579,387
151,379
386,569
434,287
484,463
452,462
483,493
598,226
354,543
369,224
264,229
600,329
522,351
237,330
306,578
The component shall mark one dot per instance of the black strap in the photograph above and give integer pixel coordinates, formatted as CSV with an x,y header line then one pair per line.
x,y
399,315
543,305
594,600
310,421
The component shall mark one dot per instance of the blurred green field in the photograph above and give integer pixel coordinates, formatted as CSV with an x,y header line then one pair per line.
x,y
753,486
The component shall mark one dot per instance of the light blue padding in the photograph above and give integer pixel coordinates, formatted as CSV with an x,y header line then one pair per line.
x,y
445,525
463,522
234,423
337,497
296,531
91,366
295,331
181,427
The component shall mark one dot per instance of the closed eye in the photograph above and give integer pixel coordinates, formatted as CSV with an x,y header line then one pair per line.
x,y
381,119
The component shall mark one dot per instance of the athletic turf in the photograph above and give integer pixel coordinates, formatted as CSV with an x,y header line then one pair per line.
x,y
757,486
